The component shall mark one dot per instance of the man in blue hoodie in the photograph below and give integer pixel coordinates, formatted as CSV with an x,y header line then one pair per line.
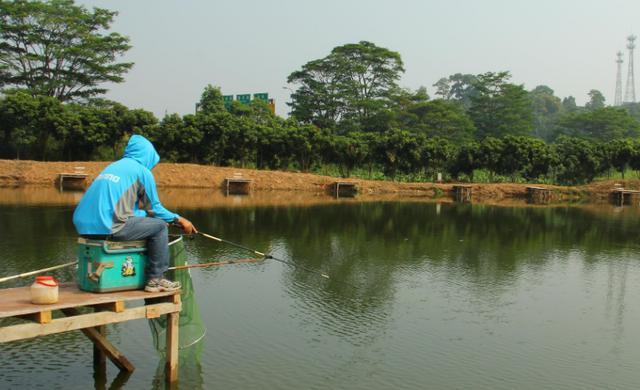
x,y
122,204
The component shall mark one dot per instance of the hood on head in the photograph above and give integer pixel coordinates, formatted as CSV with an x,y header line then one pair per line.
x,y
142,150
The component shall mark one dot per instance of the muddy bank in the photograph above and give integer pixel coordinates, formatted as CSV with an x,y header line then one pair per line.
x,y
191,176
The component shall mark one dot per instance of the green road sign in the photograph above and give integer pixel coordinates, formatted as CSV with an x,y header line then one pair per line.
x,y
227,99
261,96
246,98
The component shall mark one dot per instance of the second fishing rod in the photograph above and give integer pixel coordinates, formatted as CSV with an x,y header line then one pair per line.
x,y
263,255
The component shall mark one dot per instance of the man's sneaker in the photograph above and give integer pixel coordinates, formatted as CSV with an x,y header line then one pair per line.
x,y
158,285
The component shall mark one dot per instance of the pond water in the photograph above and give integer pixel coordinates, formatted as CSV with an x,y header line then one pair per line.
x,y
420,295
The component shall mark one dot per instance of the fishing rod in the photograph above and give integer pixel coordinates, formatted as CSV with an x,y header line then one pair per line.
x,y
215,263
38,271
265,256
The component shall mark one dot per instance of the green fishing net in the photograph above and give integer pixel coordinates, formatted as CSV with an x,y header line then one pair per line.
x,y
192,329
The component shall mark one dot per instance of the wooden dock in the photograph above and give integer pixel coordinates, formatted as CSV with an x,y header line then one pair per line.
x,y
620,196
107,308
75,180
462,193
238,185
345,189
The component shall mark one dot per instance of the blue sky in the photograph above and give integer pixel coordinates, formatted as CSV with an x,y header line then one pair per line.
x,y
252,46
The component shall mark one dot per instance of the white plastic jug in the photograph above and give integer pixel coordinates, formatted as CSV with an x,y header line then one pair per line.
x,y
44,290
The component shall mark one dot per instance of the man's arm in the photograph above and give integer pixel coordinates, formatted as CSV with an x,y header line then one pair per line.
x,y
155,208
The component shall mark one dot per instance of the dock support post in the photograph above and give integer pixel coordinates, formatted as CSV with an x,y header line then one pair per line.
x,y
101,342
99,357
171,367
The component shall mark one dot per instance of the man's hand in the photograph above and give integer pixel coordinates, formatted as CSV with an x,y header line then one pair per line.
x,y
186,226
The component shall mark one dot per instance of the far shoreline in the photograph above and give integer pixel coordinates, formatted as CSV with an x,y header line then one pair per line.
x,y
281,184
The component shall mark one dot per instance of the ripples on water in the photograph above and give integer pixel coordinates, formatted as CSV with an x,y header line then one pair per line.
x,y
419,296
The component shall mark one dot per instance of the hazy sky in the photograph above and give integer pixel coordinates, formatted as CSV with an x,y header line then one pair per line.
x,y
249,46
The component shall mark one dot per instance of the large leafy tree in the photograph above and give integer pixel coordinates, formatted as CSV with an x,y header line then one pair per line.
x,y
528,157
578,160
59,49
352,84
603,124
596,100
546,108
441,118
458,87
500,108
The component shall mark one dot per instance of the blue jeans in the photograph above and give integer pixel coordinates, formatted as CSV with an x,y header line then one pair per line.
x,y
155,231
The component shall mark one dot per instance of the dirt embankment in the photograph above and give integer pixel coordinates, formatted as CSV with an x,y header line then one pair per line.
x,y
15,173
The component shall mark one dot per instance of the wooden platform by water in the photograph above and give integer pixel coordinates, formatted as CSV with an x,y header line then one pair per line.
x,y
238,185
75,180
538,195
105,308
345,189
462,192
621,196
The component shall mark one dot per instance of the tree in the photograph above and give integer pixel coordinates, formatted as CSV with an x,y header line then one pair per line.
x,y
351,84
546,108
500,108
569,104
458,87
34,127
596,100
621,153
578,160
466,160
398,151
59,49
435,154
603,124
211,100
489,154
526,156
441,118
350,151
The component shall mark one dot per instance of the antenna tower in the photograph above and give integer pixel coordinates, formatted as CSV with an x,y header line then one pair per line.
x,y
618,97
630,92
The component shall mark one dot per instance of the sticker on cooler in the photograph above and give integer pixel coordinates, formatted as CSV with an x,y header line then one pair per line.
x,y
128,268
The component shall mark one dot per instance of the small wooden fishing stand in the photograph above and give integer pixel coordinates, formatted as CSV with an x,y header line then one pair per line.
x,y
345,189
72,180
462,193
538,195
107,308
238,185
620,196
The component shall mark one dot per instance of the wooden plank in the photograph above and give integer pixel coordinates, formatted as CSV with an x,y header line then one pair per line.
x,y
17,301
58,325
171,365
152,312
117,306
100,341
99,357
41,317
236,180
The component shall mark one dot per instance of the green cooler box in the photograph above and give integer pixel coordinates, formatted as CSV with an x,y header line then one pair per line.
x,y
105,266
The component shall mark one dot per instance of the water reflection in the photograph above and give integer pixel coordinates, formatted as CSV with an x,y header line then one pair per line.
x,y
416,291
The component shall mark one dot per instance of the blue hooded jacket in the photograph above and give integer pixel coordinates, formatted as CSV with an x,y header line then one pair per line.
x,y
124,189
